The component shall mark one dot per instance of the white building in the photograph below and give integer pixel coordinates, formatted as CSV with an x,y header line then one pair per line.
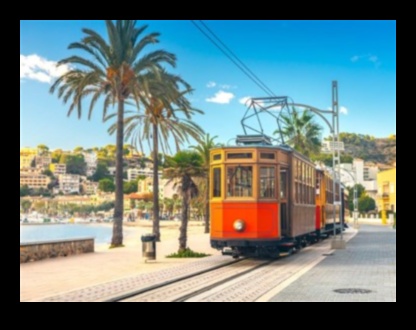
x,y
69,183
361,174
57,169
112,170
91,161
134,173
89,187
43,162
166,187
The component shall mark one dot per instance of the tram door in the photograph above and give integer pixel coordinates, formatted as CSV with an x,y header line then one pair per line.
x,y
283,194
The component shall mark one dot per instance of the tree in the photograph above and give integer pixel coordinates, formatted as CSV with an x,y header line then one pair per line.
x,y
111,71
327,159
126,150
366,203
161,122
43,149
39,206
75,164
203,149
106,185
101,171
26,204
24,190
48,173
130,186
360,192
184,166
78,150
56,155
168,205
301,132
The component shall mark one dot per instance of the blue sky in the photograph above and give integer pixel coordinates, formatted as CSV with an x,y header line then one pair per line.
x,y
299,59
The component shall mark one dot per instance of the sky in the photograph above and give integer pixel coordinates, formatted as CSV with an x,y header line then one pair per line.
x,y
297,59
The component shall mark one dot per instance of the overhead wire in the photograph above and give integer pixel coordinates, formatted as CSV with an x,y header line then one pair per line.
x,y
236,61
239,63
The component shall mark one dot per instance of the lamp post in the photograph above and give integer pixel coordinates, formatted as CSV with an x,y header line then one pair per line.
x,y
355,200
335,146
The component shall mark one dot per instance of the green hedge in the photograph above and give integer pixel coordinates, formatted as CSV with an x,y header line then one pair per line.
x,y
187,253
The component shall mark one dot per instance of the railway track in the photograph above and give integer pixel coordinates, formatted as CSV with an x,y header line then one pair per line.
x,y
183,289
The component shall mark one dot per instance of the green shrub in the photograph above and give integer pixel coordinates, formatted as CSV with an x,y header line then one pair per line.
x,y
113,246
187,253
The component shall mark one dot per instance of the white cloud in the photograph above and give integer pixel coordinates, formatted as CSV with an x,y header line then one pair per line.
x,y
244,100
373,59
369,57
221,97
342,110
38,68
211,84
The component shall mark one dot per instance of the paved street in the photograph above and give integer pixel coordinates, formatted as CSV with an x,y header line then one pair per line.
x,y
368,263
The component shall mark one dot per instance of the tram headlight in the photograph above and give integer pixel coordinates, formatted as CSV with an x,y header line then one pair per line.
x,y
239,225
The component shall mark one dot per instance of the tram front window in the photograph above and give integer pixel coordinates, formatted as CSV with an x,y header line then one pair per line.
x,y
240,181
267,182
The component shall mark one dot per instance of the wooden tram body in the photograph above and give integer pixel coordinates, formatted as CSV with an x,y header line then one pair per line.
x,y
267,199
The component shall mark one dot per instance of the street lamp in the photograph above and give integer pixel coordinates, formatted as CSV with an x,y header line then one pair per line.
x,y
355,200
335,146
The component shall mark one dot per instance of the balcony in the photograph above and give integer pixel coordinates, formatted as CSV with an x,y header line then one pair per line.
x,y
384,196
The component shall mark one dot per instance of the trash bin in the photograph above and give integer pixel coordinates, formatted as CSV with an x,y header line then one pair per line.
x,y
149,246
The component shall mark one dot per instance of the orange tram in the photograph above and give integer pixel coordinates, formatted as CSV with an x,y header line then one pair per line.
x,y
266,200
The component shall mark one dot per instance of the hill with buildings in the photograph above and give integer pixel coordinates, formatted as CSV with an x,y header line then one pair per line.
x,y
369,148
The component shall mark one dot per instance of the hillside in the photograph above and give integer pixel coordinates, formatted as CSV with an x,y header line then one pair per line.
x,y
369,148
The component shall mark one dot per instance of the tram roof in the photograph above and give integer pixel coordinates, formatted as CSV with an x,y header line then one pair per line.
x,y
265,146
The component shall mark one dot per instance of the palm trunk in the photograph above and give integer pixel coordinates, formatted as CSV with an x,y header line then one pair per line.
x,y
184,225
207,208
117,239
156,229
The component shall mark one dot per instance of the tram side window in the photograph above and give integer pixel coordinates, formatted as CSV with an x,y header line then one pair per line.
x,y
216,183
283,184
240,181
267,182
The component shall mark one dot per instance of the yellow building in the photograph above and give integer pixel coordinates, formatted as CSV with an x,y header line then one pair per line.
x,y
27,155
386,186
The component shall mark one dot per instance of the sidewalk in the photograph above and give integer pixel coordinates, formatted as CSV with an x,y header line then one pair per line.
x,y
50,277
368,264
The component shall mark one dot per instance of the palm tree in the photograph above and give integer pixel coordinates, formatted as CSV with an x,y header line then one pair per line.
x,y
185,166
301,132
203,149
113,73
162,122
